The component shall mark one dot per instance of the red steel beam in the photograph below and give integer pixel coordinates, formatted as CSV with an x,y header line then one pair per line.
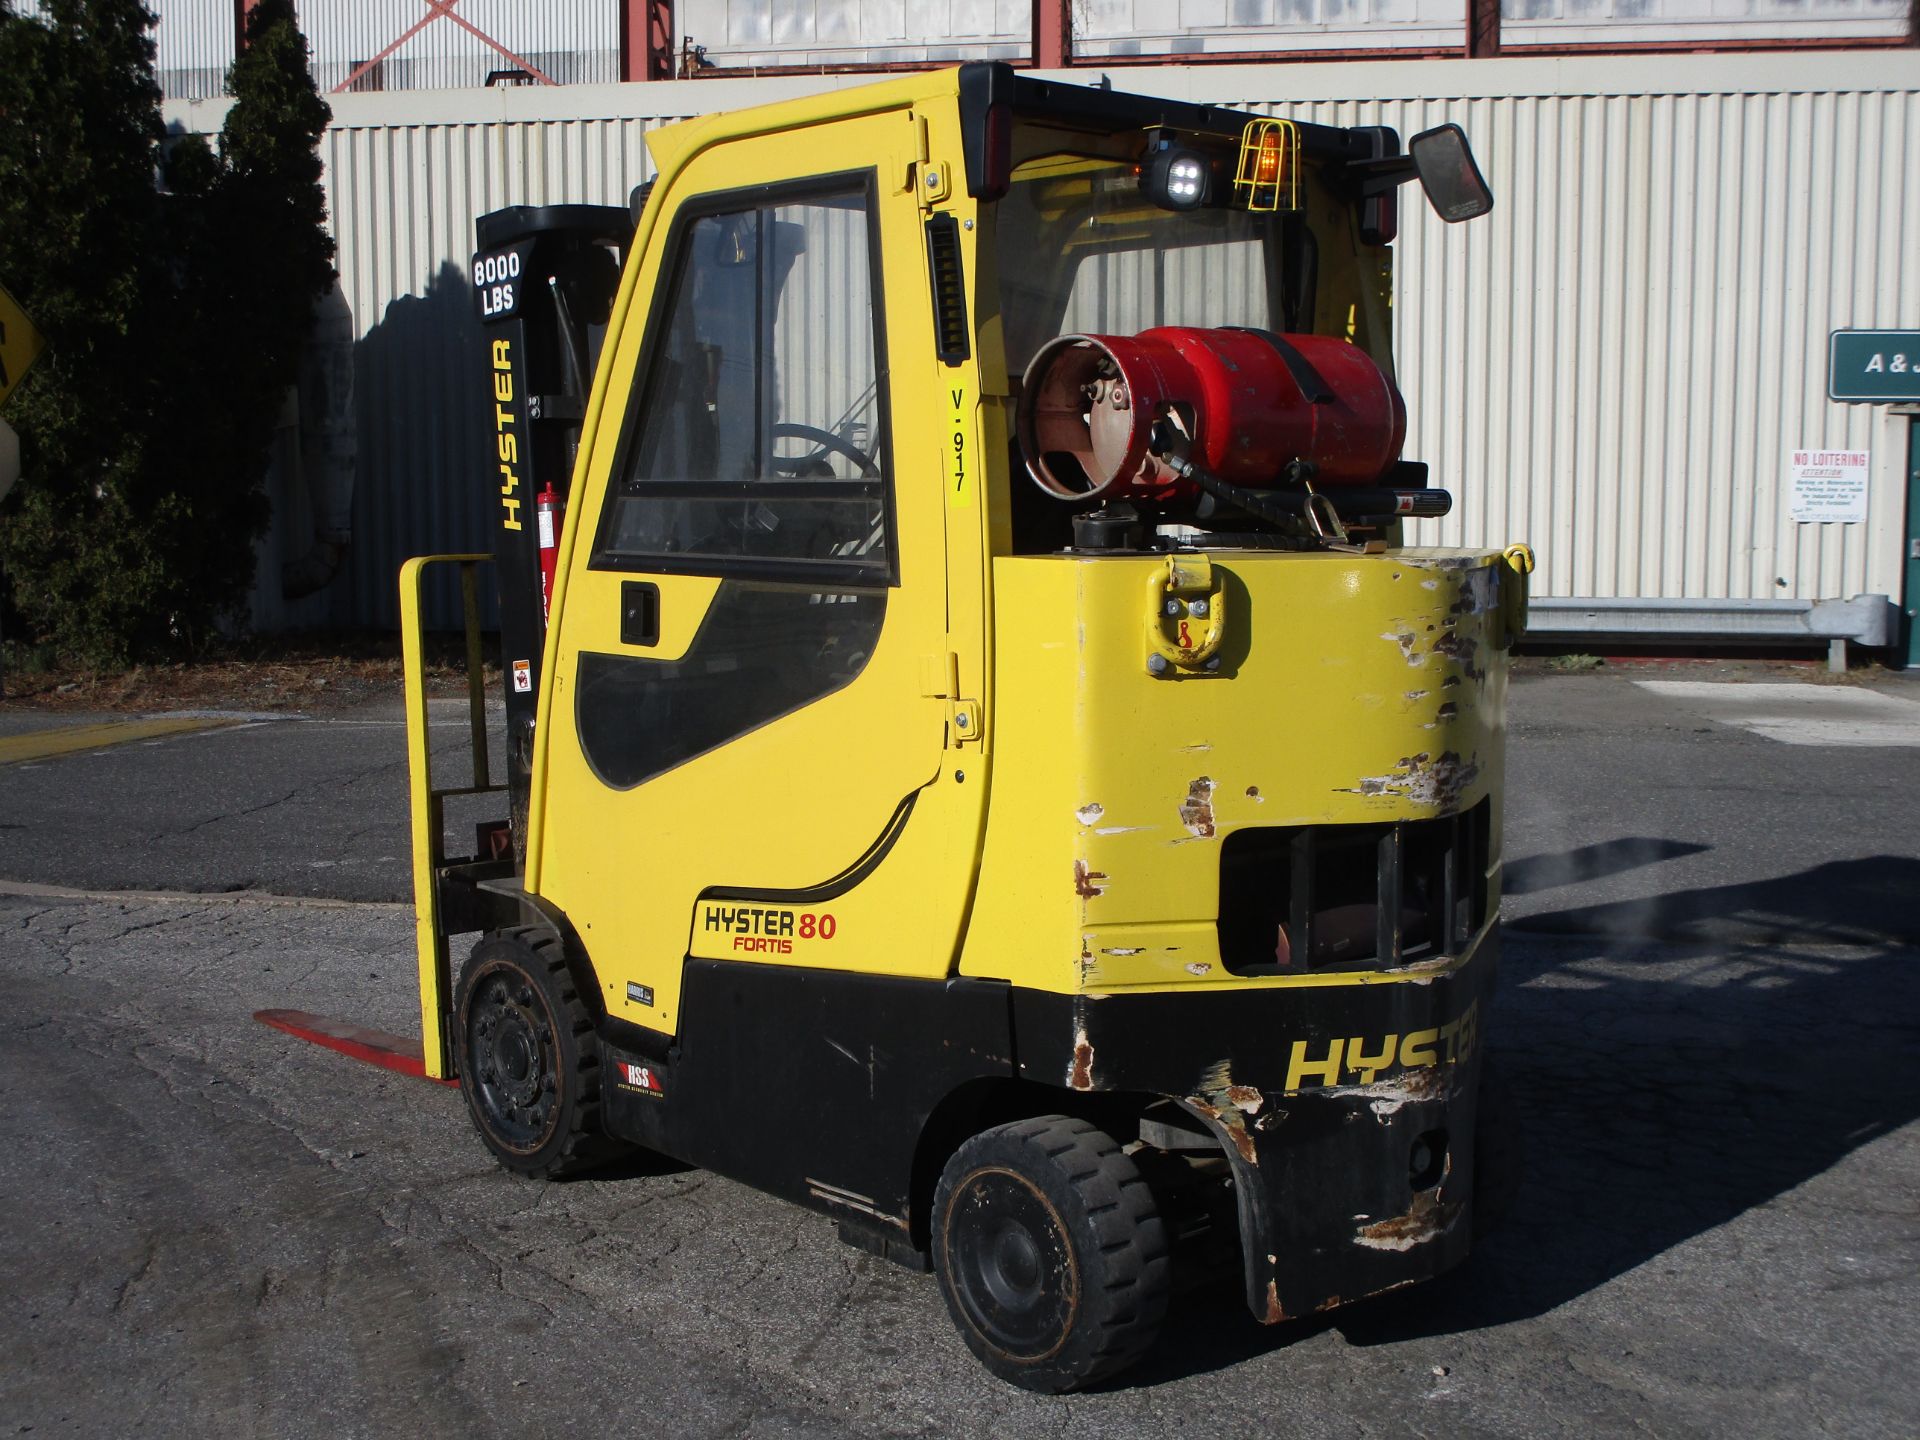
x,y
1052,34
242,13
436,9
1483,29
646,39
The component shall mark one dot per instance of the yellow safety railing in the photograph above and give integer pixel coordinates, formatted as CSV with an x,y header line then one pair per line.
x,y
428,804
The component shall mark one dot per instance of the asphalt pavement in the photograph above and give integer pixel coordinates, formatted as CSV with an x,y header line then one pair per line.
x,y
1708,1007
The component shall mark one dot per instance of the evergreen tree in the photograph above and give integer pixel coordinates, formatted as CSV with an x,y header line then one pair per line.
x,y
175,317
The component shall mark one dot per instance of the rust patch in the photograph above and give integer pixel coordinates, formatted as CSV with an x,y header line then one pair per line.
x,y
1275,1314
1233,1122
1196,811
1080,1077
1427,1219
1086,883
1245,1097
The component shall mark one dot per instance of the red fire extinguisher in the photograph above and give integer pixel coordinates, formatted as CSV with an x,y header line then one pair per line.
x,y
547,505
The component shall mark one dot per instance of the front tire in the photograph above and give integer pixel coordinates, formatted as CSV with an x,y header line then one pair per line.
x,y
1051,1253
528,1058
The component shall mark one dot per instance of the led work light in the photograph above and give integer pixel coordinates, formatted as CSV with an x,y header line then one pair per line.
x,y
1175,178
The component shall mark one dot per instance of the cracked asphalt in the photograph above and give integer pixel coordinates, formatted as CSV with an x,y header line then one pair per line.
x,y
1708,1007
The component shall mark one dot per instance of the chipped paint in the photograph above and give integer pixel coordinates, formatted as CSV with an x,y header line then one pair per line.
x,y
1086,883
1228,1105
1199,747
1253,793
1198,967
1461,649
1410,1087
1120,829
1427,1219
1440,784
1417,694
1089,813
1409,645
1122,949
1196,811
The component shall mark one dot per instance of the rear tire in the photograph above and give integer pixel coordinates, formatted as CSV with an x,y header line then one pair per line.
x,y
528,1058
1051,1253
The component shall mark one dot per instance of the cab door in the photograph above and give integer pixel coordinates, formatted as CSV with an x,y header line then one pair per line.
x,y
754,738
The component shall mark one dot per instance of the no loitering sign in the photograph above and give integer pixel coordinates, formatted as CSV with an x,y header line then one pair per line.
x,y
1828,486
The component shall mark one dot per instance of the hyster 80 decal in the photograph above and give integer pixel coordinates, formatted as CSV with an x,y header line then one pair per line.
x,y
749,929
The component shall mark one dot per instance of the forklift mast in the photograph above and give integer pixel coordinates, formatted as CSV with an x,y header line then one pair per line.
x,y
544,278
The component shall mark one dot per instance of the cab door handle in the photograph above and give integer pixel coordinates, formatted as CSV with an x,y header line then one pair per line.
x,y
639,612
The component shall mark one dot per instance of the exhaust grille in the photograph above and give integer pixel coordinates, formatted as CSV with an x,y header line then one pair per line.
x,y
1315,898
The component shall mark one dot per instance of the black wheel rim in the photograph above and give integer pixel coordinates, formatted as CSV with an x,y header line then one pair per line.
x,y
1011,1264
512,1059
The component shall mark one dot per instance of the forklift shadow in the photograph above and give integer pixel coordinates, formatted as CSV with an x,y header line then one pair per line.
x,y
1533,873
1674,1066
637,1164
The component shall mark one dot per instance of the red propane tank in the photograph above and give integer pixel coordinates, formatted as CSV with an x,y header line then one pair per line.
x,y
1248,402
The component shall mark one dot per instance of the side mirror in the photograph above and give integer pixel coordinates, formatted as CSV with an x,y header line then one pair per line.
x,y
1453,182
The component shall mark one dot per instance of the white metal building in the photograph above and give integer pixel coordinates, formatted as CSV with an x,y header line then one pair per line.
x,y
1615,366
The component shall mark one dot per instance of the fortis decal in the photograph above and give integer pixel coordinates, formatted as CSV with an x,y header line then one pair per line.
x,y
764,929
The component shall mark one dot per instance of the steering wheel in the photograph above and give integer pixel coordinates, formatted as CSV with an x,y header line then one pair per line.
x,y
827,442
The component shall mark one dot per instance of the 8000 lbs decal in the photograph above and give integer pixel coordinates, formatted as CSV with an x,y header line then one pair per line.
x,y
743,927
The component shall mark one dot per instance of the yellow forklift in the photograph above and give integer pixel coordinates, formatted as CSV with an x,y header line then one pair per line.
x,y
981,761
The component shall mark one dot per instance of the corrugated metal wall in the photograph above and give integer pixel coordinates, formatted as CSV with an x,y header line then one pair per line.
x,y
1617,363
1614,365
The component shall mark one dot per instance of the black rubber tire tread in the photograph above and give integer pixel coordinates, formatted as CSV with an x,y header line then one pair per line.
x,y
577,1143
1120,1244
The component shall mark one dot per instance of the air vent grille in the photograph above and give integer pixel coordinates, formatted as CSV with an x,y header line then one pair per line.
x,y
949,289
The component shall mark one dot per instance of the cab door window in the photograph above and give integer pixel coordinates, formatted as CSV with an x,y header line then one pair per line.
x,y
759,445
757,452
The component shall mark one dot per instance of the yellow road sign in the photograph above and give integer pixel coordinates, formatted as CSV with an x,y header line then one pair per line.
x,y
20,343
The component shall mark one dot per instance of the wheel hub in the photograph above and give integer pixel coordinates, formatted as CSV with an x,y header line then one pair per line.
x,y
1013,1266
512,1051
